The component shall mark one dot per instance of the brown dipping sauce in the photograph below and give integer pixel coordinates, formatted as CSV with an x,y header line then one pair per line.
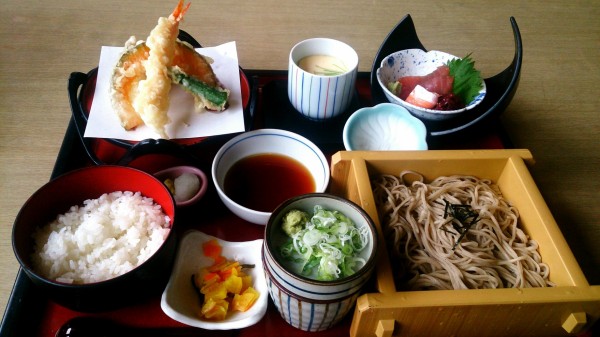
x,y
261,182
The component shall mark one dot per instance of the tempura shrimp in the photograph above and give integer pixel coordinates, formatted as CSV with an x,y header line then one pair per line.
x,y
152,101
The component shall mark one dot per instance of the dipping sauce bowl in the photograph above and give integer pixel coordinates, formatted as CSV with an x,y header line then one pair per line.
x,y
252,194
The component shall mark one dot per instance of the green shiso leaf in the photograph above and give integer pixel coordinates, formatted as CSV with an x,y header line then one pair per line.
x,y
467,80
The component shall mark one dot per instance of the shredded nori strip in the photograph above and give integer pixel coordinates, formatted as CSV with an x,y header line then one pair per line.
x,y
463,218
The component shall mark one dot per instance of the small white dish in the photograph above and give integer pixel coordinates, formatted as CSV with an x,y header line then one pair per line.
x,y
384,127
180,300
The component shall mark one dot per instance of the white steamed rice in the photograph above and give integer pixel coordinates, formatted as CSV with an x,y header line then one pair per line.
x,y
104,238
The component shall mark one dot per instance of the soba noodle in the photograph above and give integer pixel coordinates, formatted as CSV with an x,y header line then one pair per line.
x,y
493,253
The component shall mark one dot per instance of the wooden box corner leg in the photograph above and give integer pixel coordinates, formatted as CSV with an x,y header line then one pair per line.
x,y
385,328
575,322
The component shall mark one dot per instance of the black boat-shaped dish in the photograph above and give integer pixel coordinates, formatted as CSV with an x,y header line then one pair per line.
x,y
500,87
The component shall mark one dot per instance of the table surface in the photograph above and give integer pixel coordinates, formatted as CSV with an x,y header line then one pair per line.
x,y
554,112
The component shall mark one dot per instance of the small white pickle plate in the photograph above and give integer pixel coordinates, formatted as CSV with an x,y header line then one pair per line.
x,y
180,300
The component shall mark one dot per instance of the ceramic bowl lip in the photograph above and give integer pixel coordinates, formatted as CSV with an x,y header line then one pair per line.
x,y
175,171
369,265
383,108
24,260
352,68
397,99
257,133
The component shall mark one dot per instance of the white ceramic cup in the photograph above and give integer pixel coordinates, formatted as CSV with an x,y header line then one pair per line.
x,y
321,97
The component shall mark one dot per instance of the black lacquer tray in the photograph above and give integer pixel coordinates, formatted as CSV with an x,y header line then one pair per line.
x,y
30,313
500,87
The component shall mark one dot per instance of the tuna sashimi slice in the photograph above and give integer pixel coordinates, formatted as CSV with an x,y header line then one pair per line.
x,y
408,85
439,81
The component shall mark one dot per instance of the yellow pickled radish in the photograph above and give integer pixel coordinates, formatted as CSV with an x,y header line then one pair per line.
x,y
224,285
244,301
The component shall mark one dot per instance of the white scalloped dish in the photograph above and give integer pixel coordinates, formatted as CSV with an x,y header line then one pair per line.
x,y
384,127
180,300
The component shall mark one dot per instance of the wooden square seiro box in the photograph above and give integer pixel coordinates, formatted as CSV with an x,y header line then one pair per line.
x,y
567,309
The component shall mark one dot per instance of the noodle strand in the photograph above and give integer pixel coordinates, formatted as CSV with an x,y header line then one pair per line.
x,y
493,252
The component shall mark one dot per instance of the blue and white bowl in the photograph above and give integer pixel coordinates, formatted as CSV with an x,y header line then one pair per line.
x,y
308,304
267,141
416,62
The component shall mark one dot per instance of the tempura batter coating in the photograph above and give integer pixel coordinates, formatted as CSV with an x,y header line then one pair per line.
x,y
152,100
142,79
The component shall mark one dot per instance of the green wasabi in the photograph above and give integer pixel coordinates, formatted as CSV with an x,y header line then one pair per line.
x,y
294,221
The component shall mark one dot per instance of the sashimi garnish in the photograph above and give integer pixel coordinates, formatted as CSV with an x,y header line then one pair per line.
x,y
457,82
